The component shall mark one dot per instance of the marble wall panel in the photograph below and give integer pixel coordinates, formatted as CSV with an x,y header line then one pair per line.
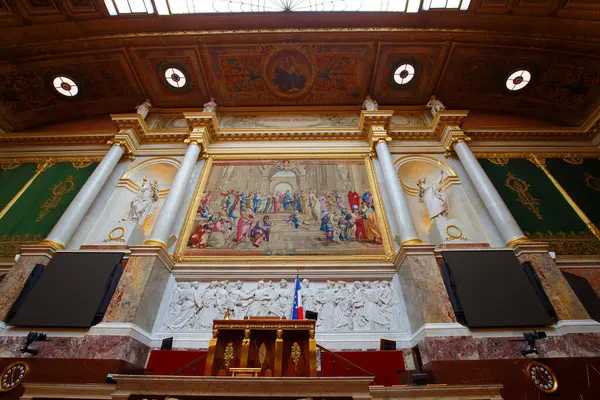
x,y
429,299
15,279
562,297
591,274
138,294
84,347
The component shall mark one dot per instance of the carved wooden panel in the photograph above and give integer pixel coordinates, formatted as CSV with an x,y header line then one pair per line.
x,y
566,86
428,60
105,81
151,65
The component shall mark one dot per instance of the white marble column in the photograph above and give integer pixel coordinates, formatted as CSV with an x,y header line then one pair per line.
x,y
403,219
72,217
170,209
505,222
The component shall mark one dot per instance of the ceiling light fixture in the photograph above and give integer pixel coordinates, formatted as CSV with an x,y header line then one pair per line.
x,y
518,80
404,74
65,86
175,77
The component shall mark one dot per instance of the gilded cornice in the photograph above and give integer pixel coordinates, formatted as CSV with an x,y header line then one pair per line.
x,y
16,140
529,135
540,156
53,160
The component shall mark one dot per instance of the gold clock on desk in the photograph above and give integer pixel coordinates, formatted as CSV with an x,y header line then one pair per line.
x,y
13,375
542,377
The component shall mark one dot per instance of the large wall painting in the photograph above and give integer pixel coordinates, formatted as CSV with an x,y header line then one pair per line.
x,y
286,208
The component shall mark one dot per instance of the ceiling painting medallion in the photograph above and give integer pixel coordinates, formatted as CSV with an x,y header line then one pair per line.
x,y
289,72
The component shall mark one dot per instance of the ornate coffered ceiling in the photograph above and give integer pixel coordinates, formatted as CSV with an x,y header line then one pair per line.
x,y
298,59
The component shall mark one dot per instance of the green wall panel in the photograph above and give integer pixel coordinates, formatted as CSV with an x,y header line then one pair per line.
x,y
36,212
539,207
581,182
12,180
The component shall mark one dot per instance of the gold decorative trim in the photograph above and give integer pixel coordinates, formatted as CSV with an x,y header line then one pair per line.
x,y
58,191
228,355
521,189
8,166
528,155
517,241
113,238
296,353
41,167
569,243
411,241
455,235
53,244
12,245
152,242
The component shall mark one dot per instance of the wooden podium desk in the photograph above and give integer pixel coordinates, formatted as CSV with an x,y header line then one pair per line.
x,y
278,347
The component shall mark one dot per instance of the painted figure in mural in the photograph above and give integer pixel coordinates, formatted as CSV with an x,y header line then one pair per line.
x,y
144,201
261,231
353,199
244,225
295,220
288,200
370,104
432,197
144,108
435,105
367,198
315,206
211,106
287,78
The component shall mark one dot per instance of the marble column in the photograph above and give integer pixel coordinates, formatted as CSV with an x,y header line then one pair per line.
x,y
72,217
401,212
170,209
505,222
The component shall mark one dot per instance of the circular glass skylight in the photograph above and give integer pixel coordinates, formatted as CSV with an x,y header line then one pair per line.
x,y
518,80
65,86
404,74
175,77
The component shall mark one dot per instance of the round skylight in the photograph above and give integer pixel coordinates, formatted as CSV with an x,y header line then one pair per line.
x,y
175,77
518,80
404,74
65,86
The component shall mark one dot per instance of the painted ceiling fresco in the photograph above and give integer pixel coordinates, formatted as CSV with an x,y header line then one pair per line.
x,y
316,60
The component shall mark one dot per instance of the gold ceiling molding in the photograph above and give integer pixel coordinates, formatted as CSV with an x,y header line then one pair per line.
x,y
498,158
342,31
79,161
57,139
529,134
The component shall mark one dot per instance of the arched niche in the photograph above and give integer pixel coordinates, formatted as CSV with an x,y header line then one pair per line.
x,y
411,168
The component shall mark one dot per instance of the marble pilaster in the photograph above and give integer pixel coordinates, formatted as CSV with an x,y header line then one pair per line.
x,y
15,279
423,288
561,295
139,292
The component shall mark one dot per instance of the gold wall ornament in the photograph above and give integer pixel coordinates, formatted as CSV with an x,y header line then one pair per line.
x,y
521,188
499,160
7,166
592,182
228,355
262,354
12,244
573,160
116,235
296,354
455,233
81,164
58,191
568,243
42,166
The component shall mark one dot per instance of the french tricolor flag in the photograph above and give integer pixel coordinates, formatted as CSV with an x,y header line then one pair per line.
x,y
298,312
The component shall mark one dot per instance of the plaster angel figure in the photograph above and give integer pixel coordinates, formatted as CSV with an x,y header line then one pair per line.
x,y
432,197
144,201
211,106
370,104
435,105
144,108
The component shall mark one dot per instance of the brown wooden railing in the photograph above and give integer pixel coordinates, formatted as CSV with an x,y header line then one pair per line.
x,y
346,364
191,364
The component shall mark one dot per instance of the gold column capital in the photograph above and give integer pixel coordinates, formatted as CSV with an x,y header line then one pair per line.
x,y
127,139
451,137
